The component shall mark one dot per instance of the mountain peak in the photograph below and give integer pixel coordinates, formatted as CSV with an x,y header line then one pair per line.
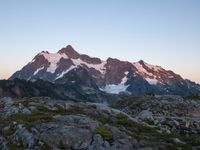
x,y
70,52
110,75
141,61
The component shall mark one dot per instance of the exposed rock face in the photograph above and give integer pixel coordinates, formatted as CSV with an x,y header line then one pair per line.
x,y
70,52
58,124
78,77
90,60
113,76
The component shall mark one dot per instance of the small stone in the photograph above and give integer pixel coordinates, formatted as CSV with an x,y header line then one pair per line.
x,y
32,108
177,141
26,111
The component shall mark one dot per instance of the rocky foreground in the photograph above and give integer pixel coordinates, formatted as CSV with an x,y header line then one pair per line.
x,y
145,123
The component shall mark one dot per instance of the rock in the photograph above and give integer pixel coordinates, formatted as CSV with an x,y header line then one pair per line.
x,y
142,143
176,123
145,148
121,144
187,124
11,111
26,111
5,129
78,120
145,115
32,108
3,143
115,132
71,130
177,141
23,135
99,144
63,136
106,144
7,101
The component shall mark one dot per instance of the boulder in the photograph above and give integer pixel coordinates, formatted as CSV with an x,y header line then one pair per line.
x,y
98,143
57,135
23,135
145,115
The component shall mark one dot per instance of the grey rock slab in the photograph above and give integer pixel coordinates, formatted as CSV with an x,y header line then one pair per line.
x,y
79,120
64,136
3,143
98,143
145,115
23,135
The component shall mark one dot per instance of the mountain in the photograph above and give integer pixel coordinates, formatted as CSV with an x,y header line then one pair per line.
x,y
84,91
112,76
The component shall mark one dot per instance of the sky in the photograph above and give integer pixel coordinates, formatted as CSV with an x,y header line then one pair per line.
x,y
160,32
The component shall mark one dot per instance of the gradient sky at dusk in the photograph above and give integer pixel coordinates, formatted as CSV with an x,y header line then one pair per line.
x,y
161,32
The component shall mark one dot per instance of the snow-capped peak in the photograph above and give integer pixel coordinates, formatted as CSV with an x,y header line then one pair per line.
x,y
148,71
112,75
53,59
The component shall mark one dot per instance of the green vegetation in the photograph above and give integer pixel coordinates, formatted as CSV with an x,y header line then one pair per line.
x,y
13,146
123,120
105,133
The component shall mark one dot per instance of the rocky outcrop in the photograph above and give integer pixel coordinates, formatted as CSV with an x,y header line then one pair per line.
x,y
168,113
58,124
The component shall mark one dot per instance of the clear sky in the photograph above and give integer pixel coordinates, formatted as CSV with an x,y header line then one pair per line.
x,y
161,32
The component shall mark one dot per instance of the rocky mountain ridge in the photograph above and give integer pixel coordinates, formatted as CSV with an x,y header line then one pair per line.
x,y
112,76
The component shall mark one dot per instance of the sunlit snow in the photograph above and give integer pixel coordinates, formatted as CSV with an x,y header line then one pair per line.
x,y
53,59
39,69
116,89
99,67
64,72
151,81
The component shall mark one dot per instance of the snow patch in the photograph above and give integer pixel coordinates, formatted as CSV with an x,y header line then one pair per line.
x,y
126,73
99,67
151,81
141,70
124,80
53,59
116,89
153,67
39,69
66,71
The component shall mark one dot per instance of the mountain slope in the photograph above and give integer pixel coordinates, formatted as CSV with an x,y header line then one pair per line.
x,y
84,92
112,76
